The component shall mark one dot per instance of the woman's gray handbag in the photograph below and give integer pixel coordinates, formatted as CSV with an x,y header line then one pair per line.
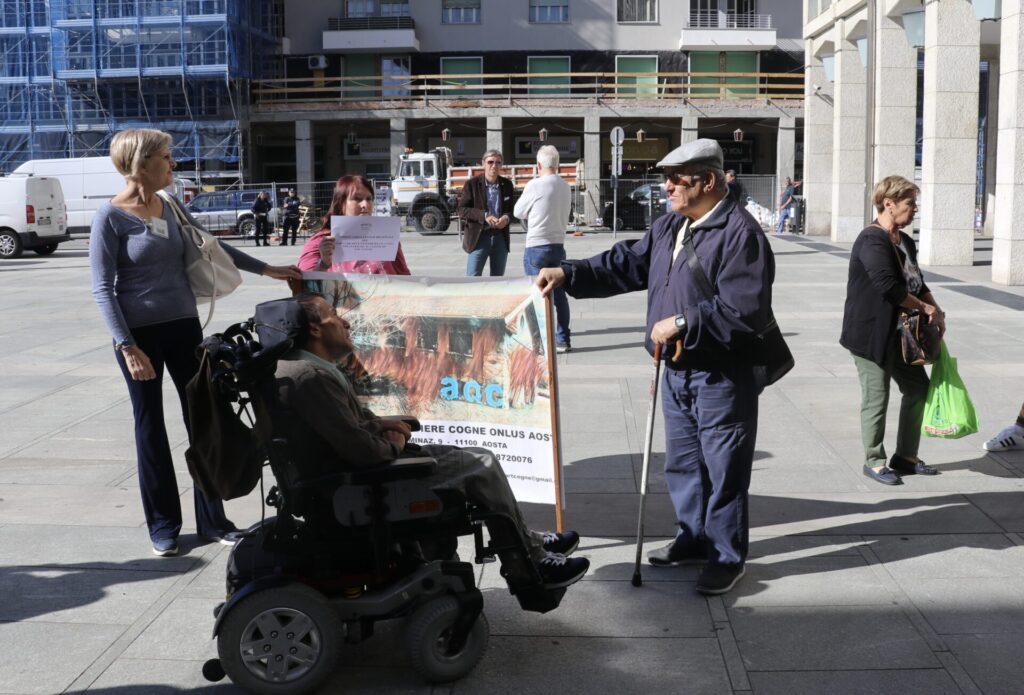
x,y
211,272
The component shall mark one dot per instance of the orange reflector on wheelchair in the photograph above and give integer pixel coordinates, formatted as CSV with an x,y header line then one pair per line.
x,y
425,507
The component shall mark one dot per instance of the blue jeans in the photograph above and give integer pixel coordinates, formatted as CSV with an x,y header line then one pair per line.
x,y
549,256
710,429
786,212
490,245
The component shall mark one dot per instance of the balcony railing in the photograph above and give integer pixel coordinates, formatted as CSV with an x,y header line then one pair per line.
x,y
568,88
723,20
365,23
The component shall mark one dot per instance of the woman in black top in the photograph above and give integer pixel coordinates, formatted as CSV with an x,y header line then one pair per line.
x,y
884,276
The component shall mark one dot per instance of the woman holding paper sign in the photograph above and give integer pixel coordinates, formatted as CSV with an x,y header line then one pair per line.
x,y
140,286
353,195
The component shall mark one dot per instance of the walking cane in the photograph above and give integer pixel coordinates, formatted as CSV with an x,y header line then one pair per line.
x,y
637,581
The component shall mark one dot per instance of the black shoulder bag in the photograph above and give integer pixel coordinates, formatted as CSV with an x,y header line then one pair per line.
x,y
767,351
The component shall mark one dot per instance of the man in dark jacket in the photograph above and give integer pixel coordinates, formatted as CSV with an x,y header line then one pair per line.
x,y
485,208
710,391
291,217
261,208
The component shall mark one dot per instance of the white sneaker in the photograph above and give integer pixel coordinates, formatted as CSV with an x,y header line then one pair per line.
x,y
1009,438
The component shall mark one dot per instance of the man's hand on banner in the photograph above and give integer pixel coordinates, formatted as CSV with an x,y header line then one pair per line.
x,y
397,431
549,278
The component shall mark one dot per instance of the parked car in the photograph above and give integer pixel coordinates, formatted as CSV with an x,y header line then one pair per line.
x,y
228,212
633,209
32,215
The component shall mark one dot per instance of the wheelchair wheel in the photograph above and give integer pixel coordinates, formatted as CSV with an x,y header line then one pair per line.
x,y
280,641
427,640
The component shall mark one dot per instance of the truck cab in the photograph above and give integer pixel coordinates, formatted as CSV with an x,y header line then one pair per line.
x,y
420,191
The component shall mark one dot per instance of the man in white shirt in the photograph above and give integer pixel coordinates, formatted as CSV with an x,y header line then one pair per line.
x,y
544,208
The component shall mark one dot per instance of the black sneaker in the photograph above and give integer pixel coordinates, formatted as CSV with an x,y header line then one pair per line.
x,y
718,579
678,553
223,537
165,547
557,571
562,348
561,543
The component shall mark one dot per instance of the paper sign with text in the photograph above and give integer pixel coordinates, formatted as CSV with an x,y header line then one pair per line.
x,y
365,238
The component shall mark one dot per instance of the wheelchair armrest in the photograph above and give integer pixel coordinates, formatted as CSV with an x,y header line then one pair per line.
x,y
414,423
399,469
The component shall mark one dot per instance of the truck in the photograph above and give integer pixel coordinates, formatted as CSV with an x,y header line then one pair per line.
x,y
88,182
32,215
428,185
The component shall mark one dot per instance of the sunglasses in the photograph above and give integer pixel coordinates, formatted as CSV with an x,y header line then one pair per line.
x,y
676,178
493,162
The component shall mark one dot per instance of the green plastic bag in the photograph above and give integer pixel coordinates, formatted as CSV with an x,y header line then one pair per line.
x,y
948,412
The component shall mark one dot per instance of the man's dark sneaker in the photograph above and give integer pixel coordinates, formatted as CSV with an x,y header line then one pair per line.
x,y
562,348
718,579
223,537
557,570
561,543
165,547
678,553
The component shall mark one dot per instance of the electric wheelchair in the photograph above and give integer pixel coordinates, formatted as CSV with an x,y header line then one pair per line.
x,y
344,549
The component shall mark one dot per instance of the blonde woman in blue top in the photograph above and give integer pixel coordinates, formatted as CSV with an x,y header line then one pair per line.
x,y
139,283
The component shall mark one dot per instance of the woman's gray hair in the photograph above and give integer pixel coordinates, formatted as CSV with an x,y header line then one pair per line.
x,y
492,153
129,148
547,157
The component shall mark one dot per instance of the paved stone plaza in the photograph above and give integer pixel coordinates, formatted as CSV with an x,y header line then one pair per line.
x,y
852,587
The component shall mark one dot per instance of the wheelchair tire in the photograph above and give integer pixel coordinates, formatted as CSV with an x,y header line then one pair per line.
x,y
426,640
280,641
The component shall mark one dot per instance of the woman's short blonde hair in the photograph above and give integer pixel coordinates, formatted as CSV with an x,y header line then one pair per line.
x,y
895,188
130,147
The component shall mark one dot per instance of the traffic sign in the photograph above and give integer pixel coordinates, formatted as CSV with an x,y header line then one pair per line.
x,y
618,135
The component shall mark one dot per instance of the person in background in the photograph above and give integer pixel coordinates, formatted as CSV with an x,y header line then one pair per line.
x,y
261,210
884,276
139,283
785,203
291,217
735,188
545,205
353,195
1009,438
485,208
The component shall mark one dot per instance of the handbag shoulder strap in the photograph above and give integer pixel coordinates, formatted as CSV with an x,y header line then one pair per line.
x,y
699,276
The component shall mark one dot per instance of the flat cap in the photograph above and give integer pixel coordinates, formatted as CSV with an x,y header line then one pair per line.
x,y
703,151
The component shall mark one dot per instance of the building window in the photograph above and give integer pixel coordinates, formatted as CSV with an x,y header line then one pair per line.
x,y
394,8
358,8
459,68
549,11
538,65
396,71
634,67
460,11
637,10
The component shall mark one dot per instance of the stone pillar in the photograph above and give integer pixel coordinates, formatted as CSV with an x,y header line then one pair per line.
x,y
895,126
818,114
334,153
848,190
688,129
591,168
495,141
399,140
304,158
785,149
1008,242
991,145
950,149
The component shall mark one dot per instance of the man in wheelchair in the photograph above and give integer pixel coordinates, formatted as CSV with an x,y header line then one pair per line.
x,y
317,393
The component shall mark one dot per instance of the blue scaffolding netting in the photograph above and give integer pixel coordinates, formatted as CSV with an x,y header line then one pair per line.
x,y
73,72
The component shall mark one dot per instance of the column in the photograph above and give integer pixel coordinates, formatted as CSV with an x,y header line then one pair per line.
x,y
950,148
688,129
399,140
334,148
895,126
592,168
818,114
1008,242
785,149
848,190
304,158
991,145
494,136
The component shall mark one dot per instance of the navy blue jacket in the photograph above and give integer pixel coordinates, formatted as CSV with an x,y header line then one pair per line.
x,y
734,254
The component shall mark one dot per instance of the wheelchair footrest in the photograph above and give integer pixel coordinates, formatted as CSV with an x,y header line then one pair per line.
x,y
539,599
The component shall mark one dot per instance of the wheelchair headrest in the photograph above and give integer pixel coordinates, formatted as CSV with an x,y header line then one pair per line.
x,y
240,358
280,320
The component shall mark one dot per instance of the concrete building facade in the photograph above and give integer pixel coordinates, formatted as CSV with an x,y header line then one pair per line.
x,y
928,90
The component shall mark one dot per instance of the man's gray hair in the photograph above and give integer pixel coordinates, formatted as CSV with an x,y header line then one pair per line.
x,y
547,157
705,172
492,153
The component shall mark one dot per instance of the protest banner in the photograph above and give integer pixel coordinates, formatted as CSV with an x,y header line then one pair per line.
x,y
471,359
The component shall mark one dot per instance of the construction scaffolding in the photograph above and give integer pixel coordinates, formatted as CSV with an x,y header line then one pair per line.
x,y
73,72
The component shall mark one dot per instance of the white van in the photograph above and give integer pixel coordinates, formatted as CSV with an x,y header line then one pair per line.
x,y
88,182
32,215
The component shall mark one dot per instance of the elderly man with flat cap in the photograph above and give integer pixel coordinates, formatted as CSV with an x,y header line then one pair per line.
x,y
708,271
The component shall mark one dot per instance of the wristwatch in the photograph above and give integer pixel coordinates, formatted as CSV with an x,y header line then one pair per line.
x,y
680,323
126,343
